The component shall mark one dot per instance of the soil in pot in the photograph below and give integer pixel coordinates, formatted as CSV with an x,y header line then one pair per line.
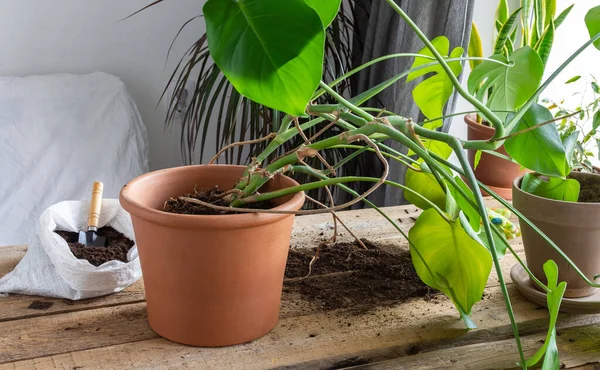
x,y
347,276
213,196
589,193
118,246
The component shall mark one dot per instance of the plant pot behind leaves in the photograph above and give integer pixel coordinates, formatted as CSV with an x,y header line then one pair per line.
x,y
495,172
572,226
209,280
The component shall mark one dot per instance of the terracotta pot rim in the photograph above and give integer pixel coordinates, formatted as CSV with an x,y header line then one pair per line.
x,y
471,121
517,188
129,203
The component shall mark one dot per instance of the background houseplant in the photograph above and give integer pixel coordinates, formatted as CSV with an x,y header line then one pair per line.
x,y
519,32
453,242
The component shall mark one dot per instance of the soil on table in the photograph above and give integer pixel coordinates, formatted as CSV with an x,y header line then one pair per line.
x,y
348,276
213,196
116,250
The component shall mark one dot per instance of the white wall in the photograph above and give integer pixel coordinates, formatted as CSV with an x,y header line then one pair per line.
x,y
81,36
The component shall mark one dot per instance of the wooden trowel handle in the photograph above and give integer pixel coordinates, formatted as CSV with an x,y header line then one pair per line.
x,y
95,205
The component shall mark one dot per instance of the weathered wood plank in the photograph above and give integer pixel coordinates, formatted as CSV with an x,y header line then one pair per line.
x,y
578,346
331,337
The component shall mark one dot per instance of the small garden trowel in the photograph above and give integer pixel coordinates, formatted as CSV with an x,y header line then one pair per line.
x,y
90,237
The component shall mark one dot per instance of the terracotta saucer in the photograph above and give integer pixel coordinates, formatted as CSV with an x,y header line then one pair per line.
x,y
583,305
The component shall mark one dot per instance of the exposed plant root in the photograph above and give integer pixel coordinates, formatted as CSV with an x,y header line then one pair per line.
x,y
270,136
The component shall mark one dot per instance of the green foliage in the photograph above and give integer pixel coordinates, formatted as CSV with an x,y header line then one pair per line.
x,y
544,45
539,149
504,32
327,10
555,188
475,49
448,259
511,85
578,120
549,350
432,94
278,69
472,213
425,184
592,21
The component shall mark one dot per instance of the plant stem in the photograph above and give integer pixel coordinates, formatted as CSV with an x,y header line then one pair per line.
x,y
485,111
455,144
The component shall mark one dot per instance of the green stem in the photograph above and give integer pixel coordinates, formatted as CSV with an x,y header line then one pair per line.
x,y
335,181
400,55
485,111
361,113
455,144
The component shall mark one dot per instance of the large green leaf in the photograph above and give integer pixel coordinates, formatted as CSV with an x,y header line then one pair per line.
x,y
539,149
432,94
551,188
327,9
277,69
448,259
425,184
511,85
592,21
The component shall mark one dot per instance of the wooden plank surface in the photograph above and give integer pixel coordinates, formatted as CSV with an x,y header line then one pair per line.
x,y
111,332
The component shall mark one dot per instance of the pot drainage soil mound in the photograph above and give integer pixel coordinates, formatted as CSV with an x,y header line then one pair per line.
x,y
118,246
348,276
212,196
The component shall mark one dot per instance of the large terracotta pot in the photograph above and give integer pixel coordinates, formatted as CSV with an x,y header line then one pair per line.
x,y
574,227
495,172
210,280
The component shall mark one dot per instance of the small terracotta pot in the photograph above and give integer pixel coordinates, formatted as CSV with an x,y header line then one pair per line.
x,y
572,226
495,172
210,280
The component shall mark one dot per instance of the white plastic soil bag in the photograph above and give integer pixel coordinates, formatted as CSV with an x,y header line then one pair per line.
x,y
50,269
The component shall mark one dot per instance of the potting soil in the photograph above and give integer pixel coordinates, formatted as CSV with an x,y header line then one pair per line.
x,y
347,276
116,250
212,196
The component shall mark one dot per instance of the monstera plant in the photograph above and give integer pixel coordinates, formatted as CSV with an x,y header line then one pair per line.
x,y
272,52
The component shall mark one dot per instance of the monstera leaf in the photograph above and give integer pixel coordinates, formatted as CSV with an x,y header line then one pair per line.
x,y
448,259
555,188
538,148
511,83
248,42
327,10
432,94
425,184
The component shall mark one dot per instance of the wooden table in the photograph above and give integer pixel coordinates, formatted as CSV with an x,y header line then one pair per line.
x,y
112,332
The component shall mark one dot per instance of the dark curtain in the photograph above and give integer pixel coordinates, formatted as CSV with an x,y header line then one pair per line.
x,y
381,31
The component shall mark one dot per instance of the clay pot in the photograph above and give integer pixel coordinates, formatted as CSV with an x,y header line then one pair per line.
x,y
210,280
495,172
572,226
